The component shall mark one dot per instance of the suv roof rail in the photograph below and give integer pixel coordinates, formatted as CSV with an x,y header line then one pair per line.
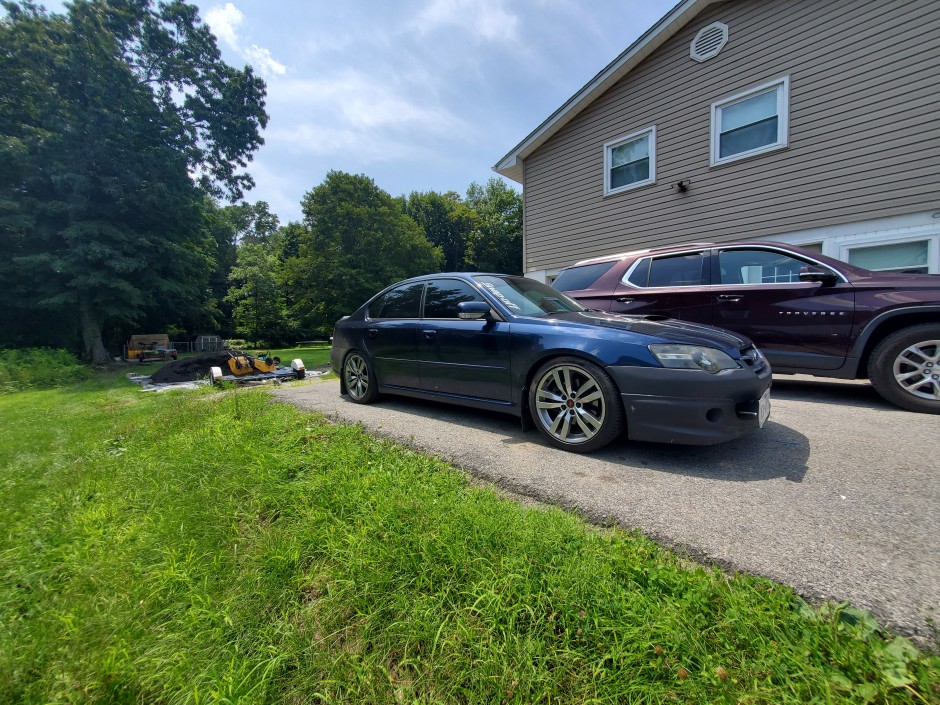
x,y
636,253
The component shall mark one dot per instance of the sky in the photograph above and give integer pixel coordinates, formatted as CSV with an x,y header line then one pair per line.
x,y
419,95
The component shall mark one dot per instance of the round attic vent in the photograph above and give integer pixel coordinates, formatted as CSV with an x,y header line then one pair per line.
x,y
709,41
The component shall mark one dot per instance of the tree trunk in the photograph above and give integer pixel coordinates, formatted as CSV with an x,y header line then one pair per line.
x,y
91,336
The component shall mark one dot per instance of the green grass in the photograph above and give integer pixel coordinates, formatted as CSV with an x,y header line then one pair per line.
x,y
312,356
205,546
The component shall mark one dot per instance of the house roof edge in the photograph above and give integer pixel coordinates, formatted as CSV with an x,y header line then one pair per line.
x,y
510,165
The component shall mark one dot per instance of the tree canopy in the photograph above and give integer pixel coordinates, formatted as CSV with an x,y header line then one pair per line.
x,y
447,222
496,242
357,241
121,133
116,119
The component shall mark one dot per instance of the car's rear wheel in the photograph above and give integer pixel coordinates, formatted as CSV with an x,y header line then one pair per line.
x,y
905,368
359,379
575,405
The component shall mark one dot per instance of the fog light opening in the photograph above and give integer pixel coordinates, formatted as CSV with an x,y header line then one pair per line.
x,y
714,415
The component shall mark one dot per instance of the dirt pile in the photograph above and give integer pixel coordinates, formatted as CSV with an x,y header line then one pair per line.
x,y
191,368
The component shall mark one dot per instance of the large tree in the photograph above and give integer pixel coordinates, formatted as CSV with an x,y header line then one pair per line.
x,y
447,222
356,242
257,294
116,120
496,243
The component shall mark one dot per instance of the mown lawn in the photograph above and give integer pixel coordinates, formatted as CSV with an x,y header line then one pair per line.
x,y
206,546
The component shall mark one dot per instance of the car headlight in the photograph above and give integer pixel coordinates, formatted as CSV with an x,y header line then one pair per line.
x,y
693,357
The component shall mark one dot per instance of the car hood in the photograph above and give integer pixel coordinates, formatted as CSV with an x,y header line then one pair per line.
x,y
669,330
896,280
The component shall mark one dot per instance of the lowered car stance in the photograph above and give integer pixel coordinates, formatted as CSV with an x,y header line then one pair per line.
x,y
515,345
809,314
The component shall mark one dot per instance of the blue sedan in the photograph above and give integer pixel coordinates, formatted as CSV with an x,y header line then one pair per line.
x,y
583,377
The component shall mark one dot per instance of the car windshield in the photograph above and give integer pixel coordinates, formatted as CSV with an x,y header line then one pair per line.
x,y
527,297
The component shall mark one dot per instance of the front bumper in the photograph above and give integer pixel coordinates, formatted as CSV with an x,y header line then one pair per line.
x,y
690,407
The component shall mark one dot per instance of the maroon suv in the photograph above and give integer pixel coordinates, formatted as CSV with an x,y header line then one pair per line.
x,y
808,313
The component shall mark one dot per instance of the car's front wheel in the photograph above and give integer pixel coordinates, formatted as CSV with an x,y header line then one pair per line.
x,y
575,405
359,379
905,368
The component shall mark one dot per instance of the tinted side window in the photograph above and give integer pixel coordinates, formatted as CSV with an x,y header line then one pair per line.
x,y
758,267
443,296
400,302
576,278
680,270
641,273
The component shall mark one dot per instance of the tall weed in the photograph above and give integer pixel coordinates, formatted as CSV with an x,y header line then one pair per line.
x,y
39,368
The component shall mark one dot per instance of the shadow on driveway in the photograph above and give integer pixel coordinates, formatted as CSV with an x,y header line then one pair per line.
x,y
837,392
771,452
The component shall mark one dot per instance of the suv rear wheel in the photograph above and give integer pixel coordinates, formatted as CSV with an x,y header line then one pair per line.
x,y
905,368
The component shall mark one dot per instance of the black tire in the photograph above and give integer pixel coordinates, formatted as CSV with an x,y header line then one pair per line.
x,y
559,414
359,378
904,368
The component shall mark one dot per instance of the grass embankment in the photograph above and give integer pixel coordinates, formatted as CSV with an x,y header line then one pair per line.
x,y
313,356
194,547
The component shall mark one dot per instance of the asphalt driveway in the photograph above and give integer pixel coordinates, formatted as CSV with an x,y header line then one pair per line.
x,y
837,496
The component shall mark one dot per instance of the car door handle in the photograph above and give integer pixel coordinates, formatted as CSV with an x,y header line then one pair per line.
x,y
373,332
625,300
730,298
429,335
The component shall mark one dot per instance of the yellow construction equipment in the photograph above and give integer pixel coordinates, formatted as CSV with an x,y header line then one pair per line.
x,y
256,368
244,364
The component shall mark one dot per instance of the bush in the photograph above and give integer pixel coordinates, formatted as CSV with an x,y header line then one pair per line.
x,y
39,368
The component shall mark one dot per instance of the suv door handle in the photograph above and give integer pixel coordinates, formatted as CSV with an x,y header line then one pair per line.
x,y
624,300
373,332
729,298
429,334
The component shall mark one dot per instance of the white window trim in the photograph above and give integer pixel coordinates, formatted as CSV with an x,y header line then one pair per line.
x,y
845,250
608,148
782,86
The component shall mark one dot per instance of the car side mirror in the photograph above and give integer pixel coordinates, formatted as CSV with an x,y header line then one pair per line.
x,y
813,273
472,310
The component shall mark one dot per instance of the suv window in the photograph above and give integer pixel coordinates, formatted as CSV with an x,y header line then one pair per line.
x,y
400,302
444,295
577,278
679,270
758,267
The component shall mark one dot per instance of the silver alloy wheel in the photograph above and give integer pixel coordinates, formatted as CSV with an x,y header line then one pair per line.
x,y
570,404
917,369
356,376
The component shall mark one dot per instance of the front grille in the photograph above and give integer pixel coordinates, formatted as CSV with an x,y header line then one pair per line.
x,y
752,358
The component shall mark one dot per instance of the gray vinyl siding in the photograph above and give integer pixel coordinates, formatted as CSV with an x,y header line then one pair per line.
x,y
864,134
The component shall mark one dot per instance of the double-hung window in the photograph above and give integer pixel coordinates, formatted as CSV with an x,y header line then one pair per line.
x,y
630,161
751,123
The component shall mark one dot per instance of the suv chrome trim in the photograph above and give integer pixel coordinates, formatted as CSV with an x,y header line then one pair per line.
x,y
783,252
636,253
712,250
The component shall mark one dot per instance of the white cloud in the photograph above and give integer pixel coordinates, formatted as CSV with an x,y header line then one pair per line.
x,y
262,60
363,102
357,117
488,19
224,21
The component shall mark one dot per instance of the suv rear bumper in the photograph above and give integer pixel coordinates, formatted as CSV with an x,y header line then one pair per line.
x,y
688,406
